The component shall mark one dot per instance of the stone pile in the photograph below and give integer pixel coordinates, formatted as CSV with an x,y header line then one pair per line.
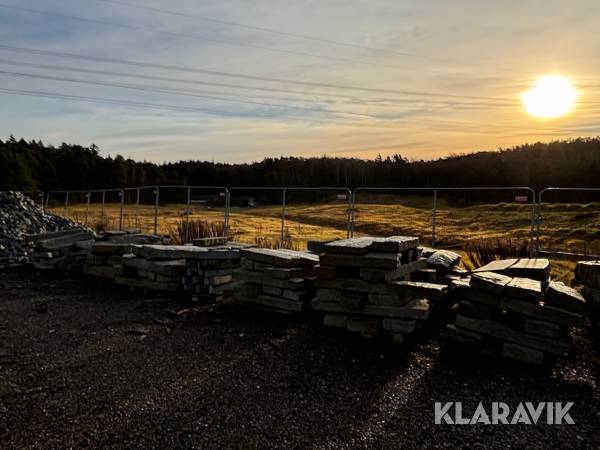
x,y
588,274
158,268
277,280
105,259
519,314
19,217
364,285
212,278
63,251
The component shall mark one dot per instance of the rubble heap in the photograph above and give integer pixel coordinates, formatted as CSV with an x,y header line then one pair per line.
x,y
277,280
518,313
64,251
211,278
19,217
588,274
364,285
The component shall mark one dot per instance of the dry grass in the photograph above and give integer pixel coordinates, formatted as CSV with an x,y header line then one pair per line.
x,y
565,227
483,251
186,230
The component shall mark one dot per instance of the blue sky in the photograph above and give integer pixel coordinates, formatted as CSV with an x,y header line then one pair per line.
x,y
428,78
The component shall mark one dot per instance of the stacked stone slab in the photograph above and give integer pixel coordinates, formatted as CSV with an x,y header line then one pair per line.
x,y
63,251
105,259
520,318
277,280
212,278
157,268
588,274
106,255
363,285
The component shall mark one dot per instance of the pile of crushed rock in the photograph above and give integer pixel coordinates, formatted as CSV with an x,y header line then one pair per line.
x,y
20,216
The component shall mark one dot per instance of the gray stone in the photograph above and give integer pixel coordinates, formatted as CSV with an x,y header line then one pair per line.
x,y
400,325
280,257
379,275
149,284
542,328
535,268
336,320
490,282
285,273
352,246
329,295
386,299
416,289
536,311
351,284
588,273
525,289
385,261
499,266
562,296
394,244
363,324
503,331
475,310
522,353
444,258
278,302
271,290
416,309
462,336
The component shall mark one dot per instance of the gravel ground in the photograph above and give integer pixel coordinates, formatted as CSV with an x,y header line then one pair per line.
x,y
102,367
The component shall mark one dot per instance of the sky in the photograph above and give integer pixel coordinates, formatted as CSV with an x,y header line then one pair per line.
x,y
237,81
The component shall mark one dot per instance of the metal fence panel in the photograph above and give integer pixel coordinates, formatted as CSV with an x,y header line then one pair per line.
x,y
568,221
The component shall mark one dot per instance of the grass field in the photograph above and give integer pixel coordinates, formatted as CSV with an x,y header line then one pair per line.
x,y
564,227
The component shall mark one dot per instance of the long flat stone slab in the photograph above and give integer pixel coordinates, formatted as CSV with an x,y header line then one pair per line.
x,y
417,309
389,275
525,289
278,302
562,296
149,284
535,268
173,267
352,284
63,241
394,244
163,252
535,310
418,289
280,257
385,261
503,331
490,282
352,246
499,265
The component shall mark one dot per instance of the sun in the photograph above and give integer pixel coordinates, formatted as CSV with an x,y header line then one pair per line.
x,y
552,96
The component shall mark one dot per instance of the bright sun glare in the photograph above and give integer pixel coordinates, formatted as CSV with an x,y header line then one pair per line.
x,y
552,96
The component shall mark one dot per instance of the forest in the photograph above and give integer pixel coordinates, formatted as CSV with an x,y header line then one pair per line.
x,y
32,167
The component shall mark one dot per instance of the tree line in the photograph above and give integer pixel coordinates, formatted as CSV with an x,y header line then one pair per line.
x,y
32,166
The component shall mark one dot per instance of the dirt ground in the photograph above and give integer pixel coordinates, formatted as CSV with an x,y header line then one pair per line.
x,y
87,365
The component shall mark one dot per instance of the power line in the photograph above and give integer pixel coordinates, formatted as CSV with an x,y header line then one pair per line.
x,y
281,33
143,105
161,106
177,92
234,86
249,77
192,36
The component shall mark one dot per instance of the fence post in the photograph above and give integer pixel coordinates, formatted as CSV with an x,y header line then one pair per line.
x,y
352,207
66,203
349,215
433,217
47,202
156,202
137,208
282,217
227,207
188,211
122,195
88,197
102,214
